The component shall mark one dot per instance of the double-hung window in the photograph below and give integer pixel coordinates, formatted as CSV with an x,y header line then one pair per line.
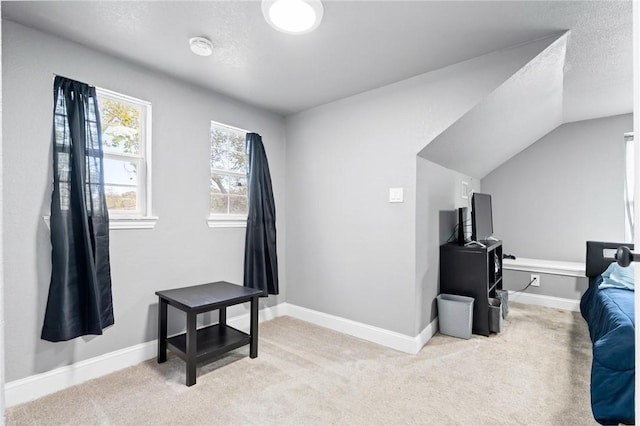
x,y
228,192
126,142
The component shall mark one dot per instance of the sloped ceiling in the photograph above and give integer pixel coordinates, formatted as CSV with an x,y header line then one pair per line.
x,y
524,108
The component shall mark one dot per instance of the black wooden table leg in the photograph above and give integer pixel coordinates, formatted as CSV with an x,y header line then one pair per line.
x,y
191,348
162,330
253,345
222,315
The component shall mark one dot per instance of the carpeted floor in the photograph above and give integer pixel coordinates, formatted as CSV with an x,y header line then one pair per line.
x,y
536,372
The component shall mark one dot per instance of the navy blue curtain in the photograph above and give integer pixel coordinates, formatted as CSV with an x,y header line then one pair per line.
x,y
79,301
260,258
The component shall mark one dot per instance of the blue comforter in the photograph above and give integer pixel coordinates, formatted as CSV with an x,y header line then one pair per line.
x,y
609,313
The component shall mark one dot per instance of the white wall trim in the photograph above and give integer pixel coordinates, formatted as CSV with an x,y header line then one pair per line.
x,y
2,299
227,221
363,331
554,267
142,222
426,334
548,301
39,385
148,222
381,336
243,322
219,223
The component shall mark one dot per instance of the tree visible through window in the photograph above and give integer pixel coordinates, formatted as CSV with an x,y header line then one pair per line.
x,y
124,141
228,183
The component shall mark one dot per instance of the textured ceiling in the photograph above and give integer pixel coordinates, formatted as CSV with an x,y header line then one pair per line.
x,y
523,109
360,45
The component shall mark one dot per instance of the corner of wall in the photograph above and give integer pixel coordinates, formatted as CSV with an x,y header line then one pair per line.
x,y
2,401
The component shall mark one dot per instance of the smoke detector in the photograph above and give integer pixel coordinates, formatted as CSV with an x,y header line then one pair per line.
x,y
201,46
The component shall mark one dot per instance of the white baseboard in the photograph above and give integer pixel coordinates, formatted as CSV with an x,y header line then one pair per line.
x,y
39,385
381,336
427,334
548,301
243,322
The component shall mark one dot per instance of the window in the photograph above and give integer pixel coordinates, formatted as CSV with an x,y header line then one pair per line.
x,y
126,141
228,195
629,186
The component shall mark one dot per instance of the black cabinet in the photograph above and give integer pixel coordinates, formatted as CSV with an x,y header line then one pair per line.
x,y
473,271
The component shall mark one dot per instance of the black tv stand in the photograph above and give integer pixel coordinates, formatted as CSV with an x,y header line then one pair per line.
x,y
474,271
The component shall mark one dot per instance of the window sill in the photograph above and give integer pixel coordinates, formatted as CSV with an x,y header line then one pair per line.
x,y
555,267
227,222
146,222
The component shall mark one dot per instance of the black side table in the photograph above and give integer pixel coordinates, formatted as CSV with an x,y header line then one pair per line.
x,y
214,340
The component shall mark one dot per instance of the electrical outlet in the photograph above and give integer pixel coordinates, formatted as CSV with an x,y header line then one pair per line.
x,y
535,278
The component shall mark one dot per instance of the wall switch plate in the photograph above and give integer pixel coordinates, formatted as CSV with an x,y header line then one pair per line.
x,y
535,280
396,195
464,190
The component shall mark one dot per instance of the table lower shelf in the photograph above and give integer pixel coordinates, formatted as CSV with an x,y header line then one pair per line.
x,y
211,341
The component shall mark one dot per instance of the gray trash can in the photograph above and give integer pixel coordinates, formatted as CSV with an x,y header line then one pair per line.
x,y
455,315
495,315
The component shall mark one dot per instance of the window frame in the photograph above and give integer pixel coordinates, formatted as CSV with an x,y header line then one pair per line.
x,y
226,220
629,185
142,217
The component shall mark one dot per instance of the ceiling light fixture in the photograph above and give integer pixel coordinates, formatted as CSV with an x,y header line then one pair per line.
x,y
201,46
293,16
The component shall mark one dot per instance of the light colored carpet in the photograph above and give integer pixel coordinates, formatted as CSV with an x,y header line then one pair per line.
x,y
536,372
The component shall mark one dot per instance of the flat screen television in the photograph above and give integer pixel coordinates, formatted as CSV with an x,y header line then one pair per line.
x,y
481,217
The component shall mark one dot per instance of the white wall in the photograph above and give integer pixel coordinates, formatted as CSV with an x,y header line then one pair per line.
x,y
514,116
563,190
1,256
636,214
350,252
438,194
565,287
180,251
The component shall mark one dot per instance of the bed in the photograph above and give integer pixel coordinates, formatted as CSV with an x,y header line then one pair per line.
x,y
607,307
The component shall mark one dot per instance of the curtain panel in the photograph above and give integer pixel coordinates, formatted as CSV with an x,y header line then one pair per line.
x,y
260,258
79,301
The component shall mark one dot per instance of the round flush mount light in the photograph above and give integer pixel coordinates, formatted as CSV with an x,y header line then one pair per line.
x,y
293,16
201,46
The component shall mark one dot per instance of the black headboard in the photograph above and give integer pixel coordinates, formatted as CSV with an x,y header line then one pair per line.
x,y
600,255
